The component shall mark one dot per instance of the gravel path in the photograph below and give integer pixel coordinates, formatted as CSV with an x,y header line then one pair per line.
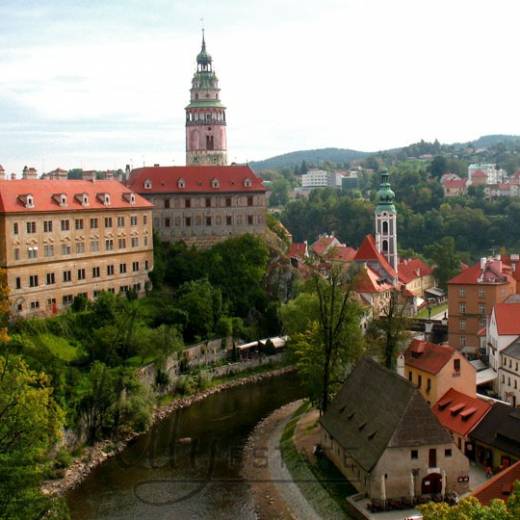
x,y
275,494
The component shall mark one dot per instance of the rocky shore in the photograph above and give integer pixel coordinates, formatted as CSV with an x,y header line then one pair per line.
x,y
95,455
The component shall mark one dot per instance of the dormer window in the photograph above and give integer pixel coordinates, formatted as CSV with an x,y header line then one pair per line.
x,y
147,184
181,183
129,197
248,183
60,199
27,200
82,198
215,184
104,198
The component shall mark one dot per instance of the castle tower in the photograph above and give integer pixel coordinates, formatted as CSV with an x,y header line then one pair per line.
x,y
206,141
386,228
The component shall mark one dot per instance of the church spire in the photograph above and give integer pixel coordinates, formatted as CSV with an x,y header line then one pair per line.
x,y
386,221
205,115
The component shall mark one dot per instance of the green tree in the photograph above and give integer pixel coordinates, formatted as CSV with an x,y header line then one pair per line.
x,y
388,332
30,423
445,258
438,166
329,338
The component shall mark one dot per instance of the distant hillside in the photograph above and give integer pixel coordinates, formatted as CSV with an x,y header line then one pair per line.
x,y
341,155
335,155
491,140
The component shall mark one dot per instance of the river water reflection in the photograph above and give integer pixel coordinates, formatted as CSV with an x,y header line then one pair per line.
x,y
162,476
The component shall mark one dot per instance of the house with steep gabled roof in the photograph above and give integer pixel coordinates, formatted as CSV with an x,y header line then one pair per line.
x,y
369,255
503,328
382,435
416,276
434,369
460,414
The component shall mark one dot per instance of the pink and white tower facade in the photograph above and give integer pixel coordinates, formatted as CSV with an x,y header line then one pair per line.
x,y
206,142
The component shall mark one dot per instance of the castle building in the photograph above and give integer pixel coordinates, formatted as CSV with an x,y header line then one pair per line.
x,y
205,116
63,238
205,201
385,222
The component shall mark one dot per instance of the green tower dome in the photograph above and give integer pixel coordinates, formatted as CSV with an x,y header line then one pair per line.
x,y
385,196
203,57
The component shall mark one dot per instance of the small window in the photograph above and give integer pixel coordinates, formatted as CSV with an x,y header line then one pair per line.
x,y
456,365
79,223
110,270
51,278
133,220
249,201
414,454
120,221
167,203
81,274
65,225
122,268
208,221
66,249
229,220
67,276
108,222
109,245
15,228
187,203
462,292
208,202
31,227
147,184
228,202
250,220
419,381
33,280
166,222
18,282
80,247
93,223
47,226
95,272
187,221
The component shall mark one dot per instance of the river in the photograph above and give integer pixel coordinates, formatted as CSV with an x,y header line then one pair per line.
x,y
163,476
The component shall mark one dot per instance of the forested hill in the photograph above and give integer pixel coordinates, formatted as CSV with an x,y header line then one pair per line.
x,y
340,156
334,155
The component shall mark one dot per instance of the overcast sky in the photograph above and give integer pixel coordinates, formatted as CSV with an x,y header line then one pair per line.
x,y
102,83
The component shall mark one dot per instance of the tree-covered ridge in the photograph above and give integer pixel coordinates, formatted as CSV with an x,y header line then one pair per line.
x,y
425,217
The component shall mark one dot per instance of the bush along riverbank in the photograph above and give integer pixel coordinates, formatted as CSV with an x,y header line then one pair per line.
x,y
95,455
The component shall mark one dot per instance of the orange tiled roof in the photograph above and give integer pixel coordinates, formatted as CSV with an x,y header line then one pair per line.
x,y
472,274
507,316
368,281
297,250
459,412
498,486
411,268
198,179
368,251
45,191
322,244
428,356
341,253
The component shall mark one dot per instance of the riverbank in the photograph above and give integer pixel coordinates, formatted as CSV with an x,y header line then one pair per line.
x,y
261,465
101,451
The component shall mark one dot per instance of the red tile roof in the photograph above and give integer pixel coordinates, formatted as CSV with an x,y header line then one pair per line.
x,y
341,253
471,275
323,243
197,179
411,268
45,190
368,281
479,173
368,251
297,250
428,356
454,183
498,486
507,316
459,412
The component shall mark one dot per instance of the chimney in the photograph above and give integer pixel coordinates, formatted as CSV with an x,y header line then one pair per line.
x,y
483,261
25,172
2,173
13,176
156,165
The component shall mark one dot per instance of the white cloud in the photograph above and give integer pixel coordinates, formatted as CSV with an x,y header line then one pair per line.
x,y
365,74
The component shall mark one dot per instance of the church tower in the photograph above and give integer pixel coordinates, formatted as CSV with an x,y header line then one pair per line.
x,y
385,215
205,116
